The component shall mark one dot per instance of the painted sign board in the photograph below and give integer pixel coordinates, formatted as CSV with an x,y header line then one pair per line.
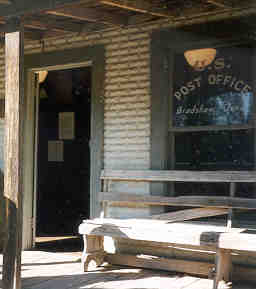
x,y
218,94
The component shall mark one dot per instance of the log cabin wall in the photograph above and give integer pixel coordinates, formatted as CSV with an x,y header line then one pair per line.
x,y
127,111
127,99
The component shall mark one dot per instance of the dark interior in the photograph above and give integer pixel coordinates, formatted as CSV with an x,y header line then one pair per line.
x,y
63,185
212,118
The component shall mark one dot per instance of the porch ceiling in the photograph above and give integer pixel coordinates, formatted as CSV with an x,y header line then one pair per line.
x,y
52,18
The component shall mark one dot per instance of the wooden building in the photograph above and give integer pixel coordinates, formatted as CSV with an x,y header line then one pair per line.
x,y
117,84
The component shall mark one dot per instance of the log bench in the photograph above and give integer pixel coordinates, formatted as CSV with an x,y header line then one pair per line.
x,y
170,228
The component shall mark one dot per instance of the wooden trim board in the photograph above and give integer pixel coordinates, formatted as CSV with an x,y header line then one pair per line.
x,y
192,201
190,214
180,176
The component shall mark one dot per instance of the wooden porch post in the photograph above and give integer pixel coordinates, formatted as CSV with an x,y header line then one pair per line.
x,y
14,95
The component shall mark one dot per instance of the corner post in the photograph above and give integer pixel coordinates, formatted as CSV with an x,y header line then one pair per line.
x,y
14,97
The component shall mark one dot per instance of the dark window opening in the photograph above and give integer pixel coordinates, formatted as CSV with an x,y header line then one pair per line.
x,y
211,119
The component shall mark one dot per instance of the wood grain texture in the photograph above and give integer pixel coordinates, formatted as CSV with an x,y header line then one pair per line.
x,y
191,201
158,231
180,176
140,6
186,266
93,253
90,14
14,53
223,267
160,263
189,214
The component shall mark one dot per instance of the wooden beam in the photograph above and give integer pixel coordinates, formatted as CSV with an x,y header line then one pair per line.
x,y
86,28
140,6
220,3
24,7
14,94
90,14
140,18
44,23
28,34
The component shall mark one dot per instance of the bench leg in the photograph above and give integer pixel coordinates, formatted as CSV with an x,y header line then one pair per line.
x,y
93,253
223,267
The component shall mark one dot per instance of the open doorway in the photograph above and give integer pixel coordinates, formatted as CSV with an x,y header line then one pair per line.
x,y
63,157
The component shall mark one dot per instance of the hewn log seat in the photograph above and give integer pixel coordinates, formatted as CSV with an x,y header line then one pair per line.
x,y
168,228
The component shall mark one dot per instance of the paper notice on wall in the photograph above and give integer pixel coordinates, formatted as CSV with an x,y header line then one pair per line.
x,y
66,125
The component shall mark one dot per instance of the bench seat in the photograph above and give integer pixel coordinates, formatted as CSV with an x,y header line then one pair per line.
x,y
160,231
174,228
213,237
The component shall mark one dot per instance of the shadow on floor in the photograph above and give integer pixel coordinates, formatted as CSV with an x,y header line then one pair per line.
x,y
145,279
60,244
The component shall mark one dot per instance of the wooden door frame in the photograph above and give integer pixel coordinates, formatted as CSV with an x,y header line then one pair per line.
x,y
73,58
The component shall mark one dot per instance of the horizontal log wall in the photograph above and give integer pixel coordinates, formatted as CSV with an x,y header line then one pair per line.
x,y
127,99
127,91
127,113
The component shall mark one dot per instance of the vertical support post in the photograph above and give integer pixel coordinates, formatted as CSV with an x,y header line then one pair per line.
x,y
231,211
104,203
14,95
223,267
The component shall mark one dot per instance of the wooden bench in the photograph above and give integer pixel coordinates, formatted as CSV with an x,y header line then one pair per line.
x,y
169,228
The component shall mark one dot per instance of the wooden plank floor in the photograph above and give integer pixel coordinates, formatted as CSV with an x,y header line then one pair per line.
x,y
52,268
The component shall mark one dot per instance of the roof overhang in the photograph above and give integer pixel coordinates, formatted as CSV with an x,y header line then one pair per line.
x,y
52,18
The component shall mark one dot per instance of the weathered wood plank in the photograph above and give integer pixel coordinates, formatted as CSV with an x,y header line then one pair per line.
x,y
180,176
140,6
186,266
160,263
241,242
93,253
14,78
191,201
90,14
175,233
223,267
221,3
190,214
45,23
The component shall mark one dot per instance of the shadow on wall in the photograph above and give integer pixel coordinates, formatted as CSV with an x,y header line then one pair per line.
x,y
1,209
